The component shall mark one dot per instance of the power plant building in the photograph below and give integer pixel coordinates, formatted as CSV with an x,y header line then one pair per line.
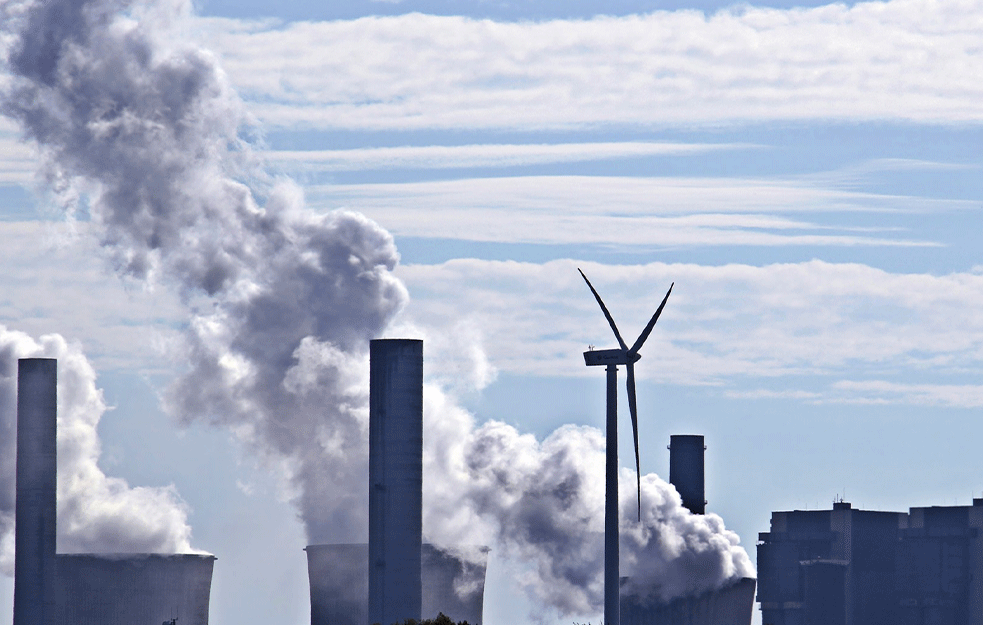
x,y
339,584
84,589
860,567
731,605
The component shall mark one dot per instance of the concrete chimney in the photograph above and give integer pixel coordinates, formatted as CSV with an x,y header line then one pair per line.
x,y
686,453
37,470
395,480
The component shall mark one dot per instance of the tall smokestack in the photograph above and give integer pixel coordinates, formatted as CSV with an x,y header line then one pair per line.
x,y
37,470
686,470
395,479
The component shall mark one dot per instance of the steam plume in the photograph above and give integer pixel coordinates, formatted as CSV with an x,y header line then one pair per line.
x,y
282,304
96,513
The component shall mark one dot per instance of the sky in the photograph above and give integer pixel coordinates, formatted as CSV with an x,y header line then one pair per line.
x,y
808,176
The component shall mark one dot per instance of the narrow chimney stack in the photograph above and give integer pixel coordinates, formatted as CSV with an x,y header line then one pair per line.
x,y
395,480
686,455
37,470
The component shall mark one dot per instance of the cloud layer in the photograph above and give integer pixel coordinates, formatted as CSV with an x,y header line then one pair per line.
x,y
899,337
913,60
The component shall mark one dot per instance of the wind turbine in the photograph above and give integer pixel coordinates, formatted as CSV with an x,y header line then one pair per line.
x,y
611,358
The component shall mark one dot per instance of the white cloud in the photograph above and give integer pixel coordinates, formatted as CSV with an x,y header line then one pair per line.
x,y
724,325
914,60
624,211
886,392
55,281
481,155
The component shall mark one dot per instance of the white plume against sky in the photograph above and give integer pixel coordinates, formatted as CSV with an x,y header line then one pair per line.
x,y
96,513
142,137
809,177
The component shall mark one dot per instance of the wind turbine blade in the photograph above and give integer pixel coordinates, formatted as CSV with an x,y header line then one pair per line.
x,y
604,308
648,329
633,409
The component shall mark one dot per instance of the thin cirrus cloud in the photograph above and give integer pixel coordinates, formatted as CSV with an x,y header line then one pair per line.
x,y
480,155
629,210
734,326
909,60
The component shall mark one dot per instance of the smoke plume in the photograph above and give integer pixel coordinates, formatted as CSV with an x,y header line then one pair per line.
x,y
142,135
96,513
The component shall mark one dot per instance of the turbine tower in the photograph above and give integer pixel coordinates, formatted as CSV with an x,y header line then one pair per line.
x,y
611,358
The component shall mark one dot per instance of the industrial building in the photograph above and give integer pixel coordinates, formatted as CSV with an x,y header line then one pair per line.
x,y
860,567
84,589
395,576
339,584
731,605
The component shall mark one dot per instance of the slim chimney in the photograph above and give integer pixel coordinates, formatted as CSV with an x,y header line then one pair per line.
x,y
395,479
686,470
37,470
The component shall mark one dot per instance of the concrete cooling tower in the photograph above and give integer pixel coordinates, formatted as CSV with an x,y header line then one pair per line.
x,y
339,584
84,589
124,589
730,605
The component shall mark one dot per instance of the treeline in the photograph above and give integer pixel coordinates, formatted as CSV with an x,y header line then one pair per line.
x,y
440,619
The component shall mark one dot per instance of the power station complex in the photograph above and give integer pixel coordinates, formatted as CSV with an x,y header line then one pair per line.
x,y
394,577
862,567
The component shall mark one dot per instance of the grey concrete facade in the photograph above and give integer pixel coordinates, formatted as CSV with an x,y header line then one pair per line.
x,y
731,605
395,479
338,576
686,470
35,509
123,589
862,567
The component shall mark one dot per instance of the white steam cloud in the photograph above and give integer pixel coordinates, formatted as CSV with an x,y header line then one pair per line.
x,y
140,134
96,513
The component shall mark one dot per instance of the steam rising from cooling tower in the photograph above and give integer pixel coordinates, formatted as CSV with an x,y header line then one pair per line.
x,y
95,512
140,134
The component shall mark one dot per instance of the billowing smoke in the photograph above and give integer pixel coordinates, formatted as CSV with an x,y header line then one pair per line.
x,y
141,134
96,513
281,300
543,502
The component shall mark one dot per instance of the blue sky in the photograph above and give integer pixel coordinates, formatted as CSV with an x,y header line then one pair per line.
x,y
808,176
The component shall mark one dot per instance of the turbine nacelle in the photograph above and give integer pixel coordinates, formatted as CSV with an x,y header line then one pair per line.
x,y
596,357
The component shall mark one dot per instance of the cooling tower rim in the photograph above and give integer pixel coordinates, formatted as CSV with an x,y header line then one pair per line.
x,y
140,556
482,548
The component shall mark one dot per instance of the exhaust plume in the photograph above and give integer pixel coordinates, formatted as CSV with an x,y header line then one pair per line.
x,y
142,135
96,513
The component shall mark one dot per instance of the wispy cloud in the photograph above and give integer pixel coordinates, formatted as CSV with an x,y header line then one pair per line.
x,y
482,155
914,60
655,212
725,325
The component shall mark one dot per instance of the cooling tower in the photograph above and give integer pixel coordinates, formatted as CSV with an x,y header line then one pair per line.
x,y
339,579
339,584
128,589
686,470
454,586
730,605
37,469
395,479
